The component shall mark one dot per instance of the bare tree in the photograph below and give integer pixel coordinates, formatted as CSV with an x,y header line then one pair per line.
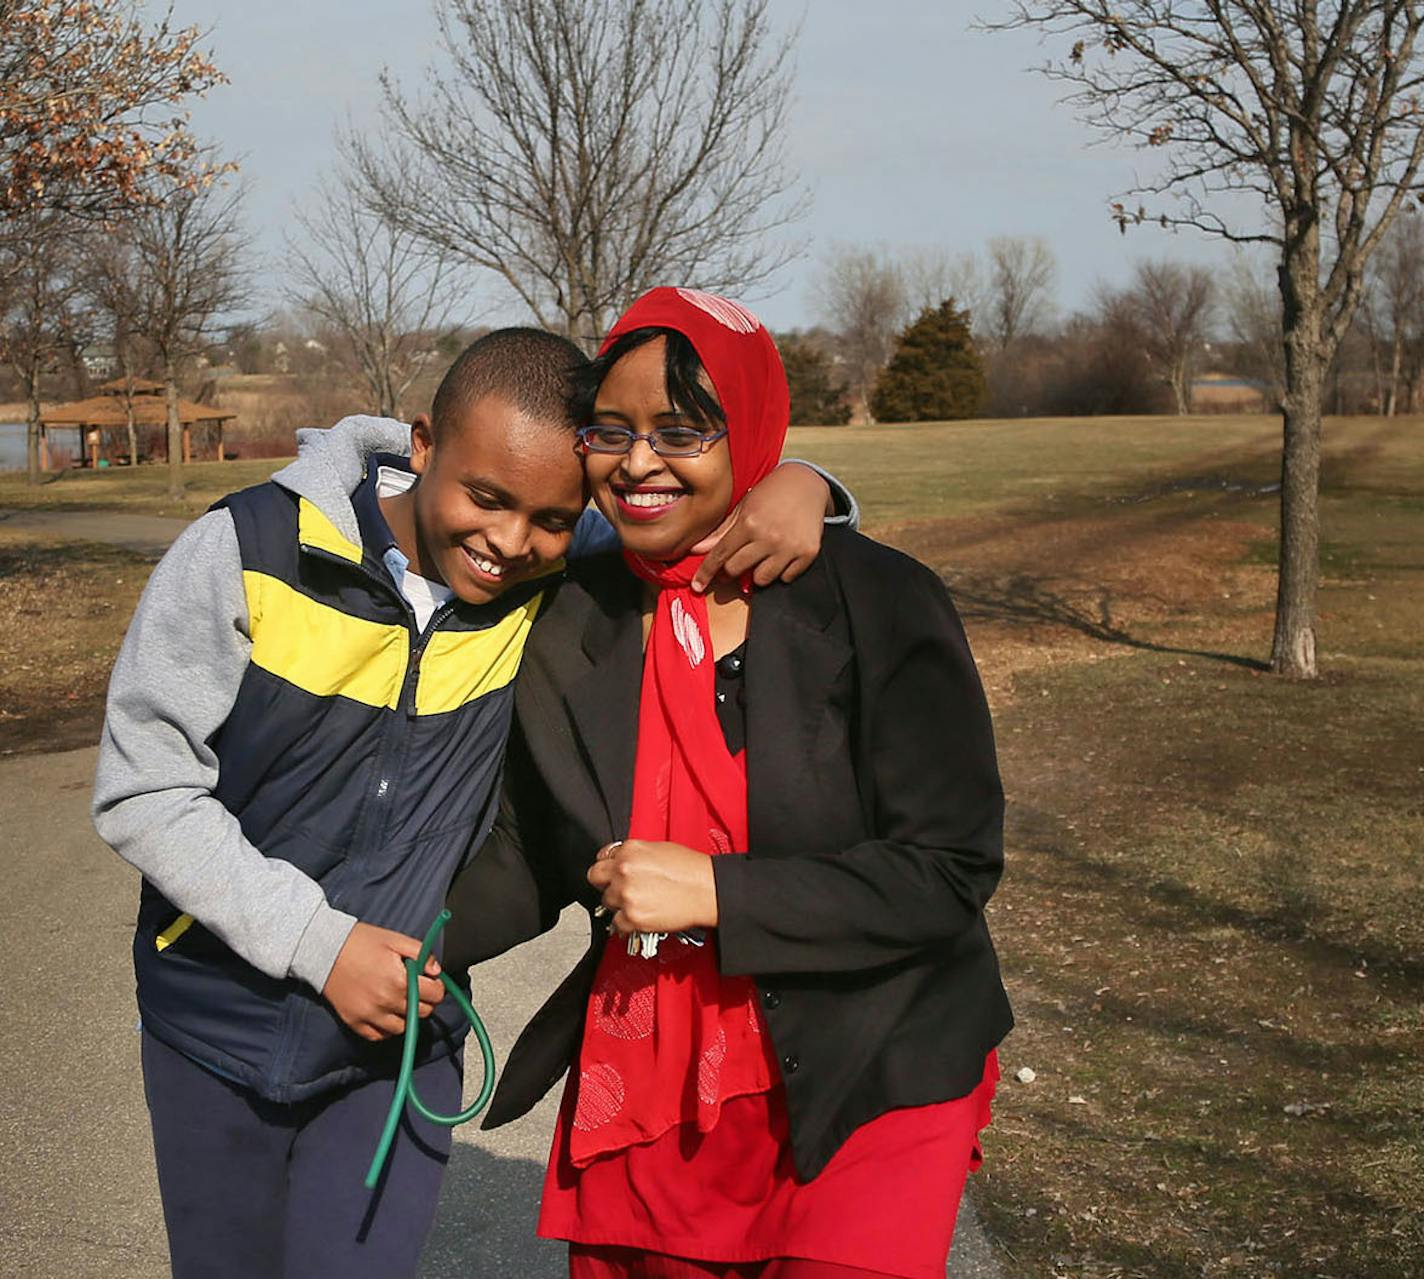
x,y
1171,305
933,276
1253,319
43,318
585,150
1022,273
1392,313
380,290
190,252
115,285
91,105
859,295
1312,108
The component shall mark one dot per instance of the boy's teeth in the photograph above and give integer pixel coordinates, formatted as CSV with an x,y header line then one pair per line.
x,y
650,499
487,566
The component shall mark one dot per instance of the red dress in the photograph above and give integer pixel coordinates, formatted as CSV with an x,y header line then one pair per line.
x,y
886,1202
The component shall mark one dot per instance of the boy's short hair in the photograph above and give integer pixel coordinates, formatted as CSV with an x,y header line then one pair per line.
x,y
528,367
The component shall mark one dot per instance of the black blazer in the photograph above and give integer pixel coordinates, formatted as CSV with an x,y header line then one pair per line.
x,y
876,834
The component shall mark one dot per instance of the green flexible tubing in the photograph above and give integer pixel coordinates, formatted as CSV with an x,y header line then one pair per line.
x,y
405,1086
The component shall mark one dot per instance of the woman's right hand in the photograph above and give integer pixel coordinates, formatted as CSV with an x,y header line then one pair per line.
x,y
367,985
653,886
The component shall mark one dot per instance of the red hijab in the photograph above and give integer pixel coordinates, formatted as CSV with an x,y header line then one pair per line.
x,y
668,1040
743,363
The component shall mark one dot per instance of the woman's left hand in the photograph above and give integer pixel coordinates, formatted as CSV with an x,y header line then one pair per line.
x,y
653,887
773,533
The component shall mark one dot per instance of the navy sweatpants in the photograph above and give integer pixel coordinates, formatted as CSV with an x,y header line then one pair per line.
x,y
256,1190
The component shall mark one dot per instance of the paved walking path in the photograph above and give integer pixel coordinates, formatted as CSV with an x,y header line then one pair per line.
x,y
149,535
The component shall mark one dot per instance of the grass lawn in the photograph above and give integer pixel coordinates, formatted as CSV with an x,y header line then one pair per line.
x,y
1212,922
144,490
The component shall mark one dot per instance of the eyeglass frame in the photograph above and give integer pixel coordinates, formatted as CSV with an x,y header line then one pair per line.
x,y
705,439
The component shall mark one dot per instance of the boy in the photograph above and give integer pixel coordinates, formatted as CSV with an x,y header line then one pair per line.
x,y
304,733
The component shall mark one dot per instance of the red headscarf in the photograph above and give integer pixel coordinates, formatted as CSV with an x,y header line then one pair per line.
x,y
743,363
668,1040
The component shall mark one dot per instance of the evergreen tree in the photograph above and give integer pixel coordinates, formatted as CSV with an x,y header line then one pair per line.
x,y
817,398
935,373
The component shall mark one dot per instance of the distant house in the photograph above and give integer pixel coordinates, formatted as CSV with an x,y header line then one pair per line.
x,y
1227,393
100,360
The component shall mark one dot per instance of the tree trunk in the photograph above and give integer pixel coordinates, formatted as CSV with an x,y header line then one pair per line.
x,y
1179,388
1377,366
1298,579
129,413
32,431
1396,361
175,431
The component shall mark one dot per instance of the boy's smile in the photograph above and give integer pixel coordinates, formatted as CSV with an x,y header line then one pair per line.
x,y
499,494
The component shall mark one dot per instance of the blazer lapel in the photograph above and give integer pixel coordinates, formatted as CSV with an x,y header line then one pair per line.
x,y
603,703
794,663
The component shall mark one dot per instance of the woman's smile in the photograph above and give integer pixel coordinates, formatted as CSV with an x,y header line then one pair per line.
x,y
647,502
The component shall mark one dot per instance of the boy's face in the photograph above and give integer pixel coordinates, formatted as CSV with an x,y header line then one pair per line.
x,y
498,497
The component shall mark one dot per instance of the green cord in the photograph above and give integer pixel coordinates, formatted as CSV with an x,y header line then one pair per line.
x,y
405,1086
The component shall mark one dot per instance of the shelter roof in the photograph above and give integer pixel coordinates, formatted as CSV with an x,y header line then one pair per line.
x,y
137,386
148,410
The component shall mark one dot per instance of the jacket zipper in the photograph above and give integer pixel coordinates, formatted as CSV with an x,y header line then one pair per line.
x,y
397,728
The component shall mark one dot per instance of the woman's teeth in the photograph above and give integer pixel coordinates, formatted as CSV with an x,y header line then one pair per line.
x,y
651,499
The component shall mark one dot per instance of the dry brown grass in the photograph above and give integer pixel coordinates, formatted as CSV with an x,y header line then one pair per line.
x,y
66,607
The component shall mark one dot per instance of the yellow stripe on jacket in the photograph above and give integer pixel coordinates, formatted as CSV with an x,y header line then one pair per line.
x,y
315,529
329,653
459,666
321,649
173,932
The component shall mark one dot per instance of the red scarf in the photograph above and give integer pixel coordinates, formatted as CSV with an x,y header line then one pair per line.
x,y
668,1040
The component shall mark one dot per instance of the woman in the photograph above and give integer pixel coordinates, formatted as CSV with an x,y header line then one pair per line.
x,y
785,808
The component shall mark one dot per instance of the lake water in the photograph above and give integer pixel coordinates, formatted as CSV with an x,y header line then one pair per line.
x,y
12,443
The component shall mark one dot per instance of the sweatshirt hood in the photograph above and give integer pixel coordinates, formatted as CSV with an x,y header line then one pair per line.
x,y
331,462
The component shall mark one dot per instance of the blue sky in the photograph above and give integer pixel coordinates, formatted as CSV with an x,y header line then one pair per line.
x,y
909,129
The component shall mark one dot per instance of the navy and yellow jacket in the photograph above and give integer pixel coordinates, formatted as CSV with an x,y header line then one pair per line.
x,y
354,760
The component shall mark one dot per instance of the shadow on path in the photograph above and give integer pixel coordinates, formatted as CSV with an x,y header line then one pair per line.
x,y
485,1226
490,1203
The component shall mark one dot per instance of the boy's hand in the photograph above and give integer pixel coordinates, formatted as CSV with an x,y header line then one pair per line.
x,y
774,532
367,982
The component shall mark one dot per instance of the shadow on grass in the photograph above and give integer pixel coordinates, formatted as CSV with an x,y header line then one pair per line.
x,y
1233,1163
1207,1223
1022,599
1160,904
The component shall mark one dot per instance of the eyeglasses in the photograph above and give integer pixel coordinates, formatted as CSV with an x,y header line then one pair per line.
x,y
665,441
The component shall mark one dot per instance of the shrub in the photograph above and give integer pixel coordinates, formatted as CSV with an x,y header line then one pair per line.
x,y
935,374
817,396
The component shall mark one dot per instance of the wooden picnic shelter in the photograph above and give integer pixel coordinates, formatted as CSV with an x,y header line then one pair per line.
x,y
107,411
